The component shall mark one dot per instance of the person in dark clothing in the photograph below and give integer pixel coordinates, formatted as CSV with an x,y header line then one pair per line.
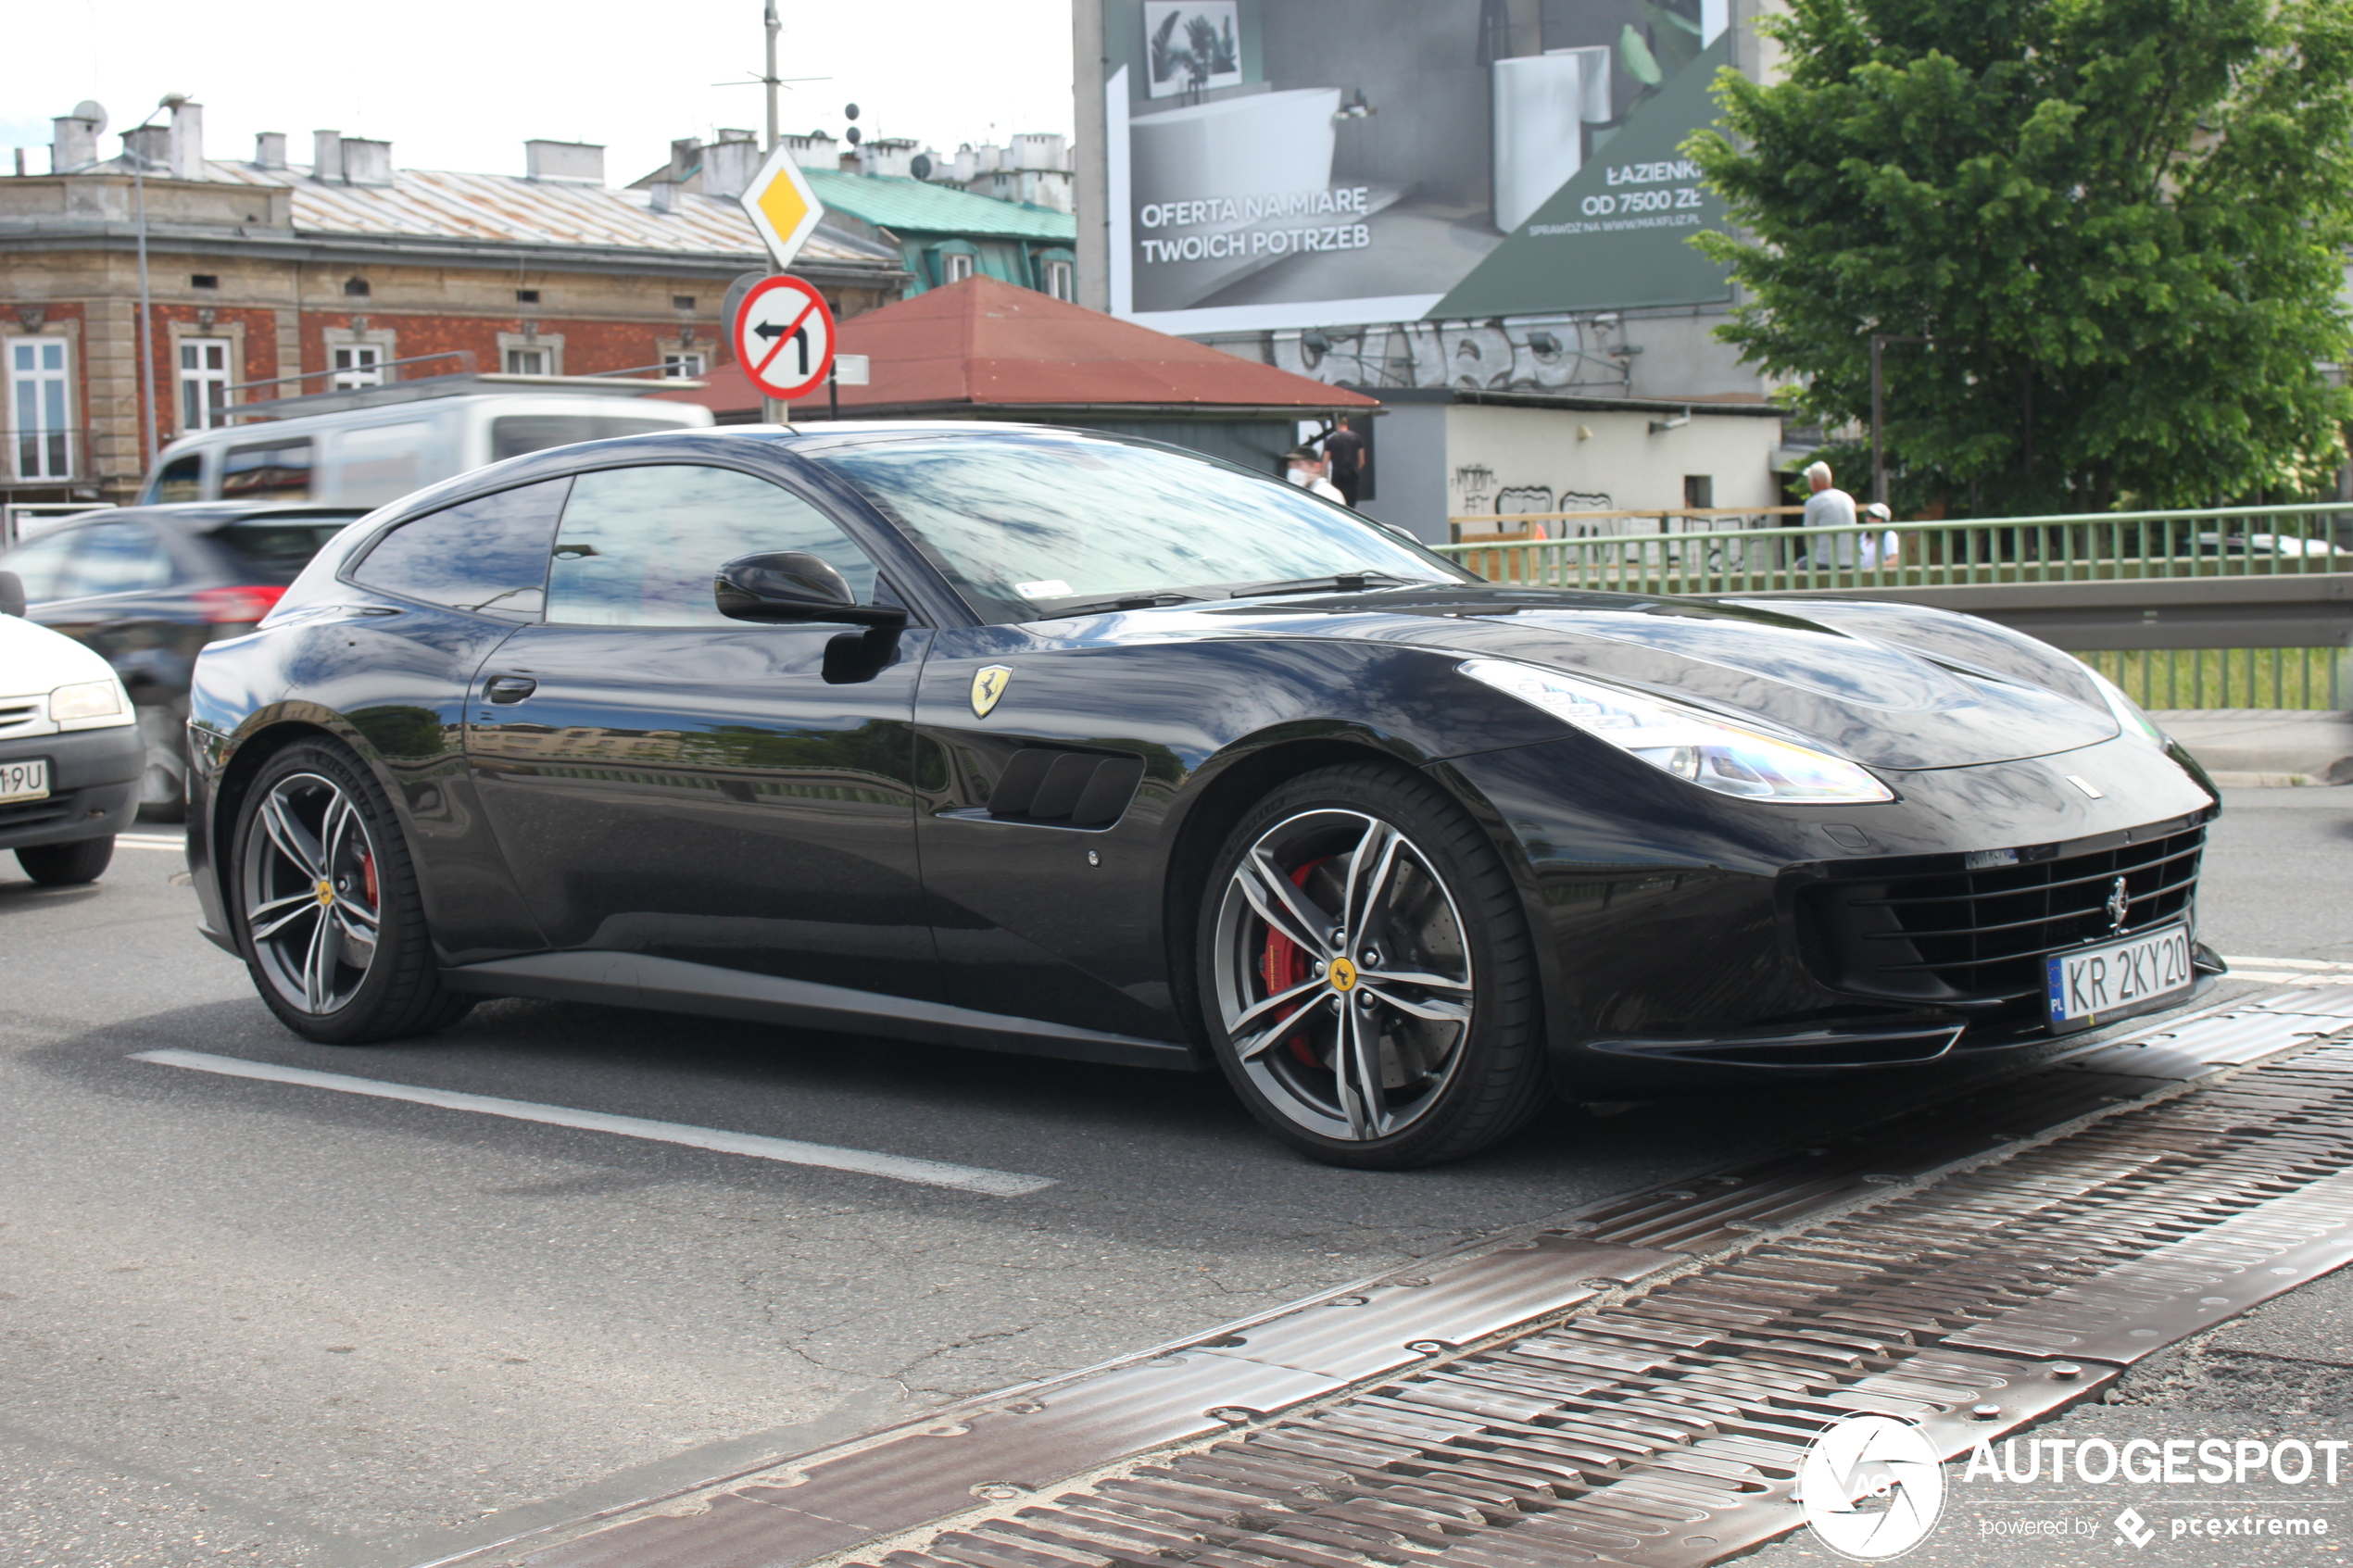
x,y
1344,452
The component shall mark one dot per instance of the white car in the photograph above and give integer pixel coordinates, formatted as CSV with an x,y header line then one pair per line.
x,y
70,754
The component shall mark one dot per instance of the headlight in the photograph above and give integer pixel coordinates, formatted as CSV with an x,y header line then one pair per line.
x,y
85,699
2128,712
1696,746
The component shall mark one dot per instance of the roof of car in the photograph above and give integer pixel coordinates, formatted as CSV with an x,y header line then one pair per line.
x,y
203,517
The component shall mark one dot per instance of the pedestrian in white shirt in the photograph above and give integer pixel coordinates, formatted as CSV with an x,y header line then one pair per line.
x,y
1827,507
1880,548
1307,473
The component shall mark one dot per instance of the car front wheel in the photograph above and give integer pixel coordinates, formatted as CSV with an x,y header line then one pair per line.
x,y
326,906
1367,976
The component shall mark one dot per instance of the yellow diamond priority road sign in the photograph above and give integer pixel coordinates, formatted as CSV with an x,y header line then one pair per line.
x,y
782,206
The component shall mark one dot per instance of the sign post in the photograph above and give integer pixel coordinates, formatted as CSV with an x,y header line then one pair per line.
x,y
784,338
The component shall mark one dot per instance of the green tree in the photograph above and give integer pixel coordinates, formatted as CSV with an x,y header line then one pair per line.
x,y
2121,223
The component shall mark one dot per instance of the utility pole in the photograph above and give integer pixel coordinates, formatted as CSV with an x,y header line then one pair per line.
x,y
770,80
1879,451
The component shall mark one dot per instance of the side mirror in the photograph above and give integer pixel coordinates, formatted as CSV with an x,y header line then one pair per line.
x,y
11,594
792,587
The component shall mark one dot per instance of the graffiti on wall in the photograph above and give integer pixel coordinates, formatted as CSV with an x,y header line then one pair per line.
x,y
1476,492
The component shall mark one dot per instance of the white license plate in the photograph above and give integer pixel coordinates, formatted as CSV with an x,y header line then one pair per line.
x,y
24,781
2115,975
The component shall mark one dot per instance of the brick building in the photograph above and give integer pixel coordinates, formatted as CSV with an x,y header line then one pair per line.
x,y
268,279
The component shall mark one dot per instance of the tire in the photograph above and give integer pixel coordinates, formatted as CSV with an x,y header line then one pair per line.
x,y
325,905
1438,944
63,865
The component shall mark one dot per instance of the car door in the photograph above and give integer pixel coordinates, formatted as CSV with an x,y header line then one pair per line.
x,y
667,782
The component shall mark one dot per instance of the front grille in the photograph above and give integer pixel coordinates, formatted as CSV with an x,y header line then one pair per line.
x,y
33,813
18,714
1979,935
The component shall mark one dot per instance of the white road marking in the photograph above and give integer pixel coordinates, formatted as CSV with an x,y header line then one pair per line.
x,y
899,1168
175,843
2291,971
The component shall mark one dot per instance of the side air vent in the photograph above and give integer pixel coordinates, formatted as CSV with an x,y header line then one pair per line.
x,y
1080,789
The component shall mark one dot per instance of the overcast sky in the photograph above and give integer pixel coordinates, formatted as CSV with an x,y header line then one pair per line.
x,y
462,83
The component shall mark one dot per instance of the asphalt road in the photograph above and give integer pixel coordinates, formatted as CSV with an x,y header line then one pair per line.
x,y
260,1321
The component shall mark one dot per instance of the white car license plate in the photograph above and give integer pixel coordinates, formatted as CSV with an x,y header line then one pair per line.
x,y
2114,975
24,781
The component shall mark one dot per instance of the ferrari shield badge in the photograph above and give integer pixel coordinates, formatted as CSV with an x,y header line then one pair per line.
x,y
988,684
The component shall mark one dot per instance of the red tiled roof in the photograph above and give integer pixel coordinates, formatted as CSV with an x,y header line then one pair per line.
x,y
985,343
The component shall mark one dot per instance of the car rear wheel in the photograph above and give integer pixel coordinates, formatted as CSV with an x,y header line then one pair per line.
x,y
1367,972
326,906
62,865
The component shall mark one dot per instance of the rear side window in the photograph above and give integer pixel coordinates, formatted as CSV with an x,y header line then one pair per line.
x,y
114,558
488,556
266,551
513,434
273,470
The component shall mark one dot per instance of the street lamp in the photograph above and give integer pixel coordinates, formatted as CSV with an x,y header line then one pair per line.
x,y
139,212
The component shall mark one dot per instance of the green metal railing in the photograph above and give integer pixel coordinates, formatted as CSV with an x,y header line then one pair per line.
x,y
2191,678
1704,558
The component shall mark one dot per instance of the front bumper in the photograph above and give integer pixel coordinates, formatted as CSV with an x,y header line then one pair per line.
x,y
1680,946
94,786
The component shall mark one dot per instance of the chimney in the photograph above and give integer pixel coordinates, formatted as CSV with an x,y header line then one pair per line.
x,y
729,163
815,150
1035,149
577,162
187,142
73,141
151,144
269,150
326,157
366,162
685,154
664,195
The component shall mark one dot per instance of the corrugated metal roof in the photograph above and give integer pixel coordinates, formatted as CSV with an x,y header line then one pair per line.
x,y
898,204
501,209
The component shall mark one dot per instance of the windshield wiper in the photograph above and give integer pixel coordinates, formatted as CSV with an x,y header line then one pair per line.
x,y
1125,601
1342,582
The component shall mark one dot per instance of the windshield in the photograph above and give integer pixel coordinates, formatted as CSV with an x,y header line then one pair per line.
x,y
1029,527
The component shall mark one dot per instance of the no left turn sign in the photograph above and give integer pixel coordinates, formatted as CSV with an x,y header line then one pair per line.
x,y
784,337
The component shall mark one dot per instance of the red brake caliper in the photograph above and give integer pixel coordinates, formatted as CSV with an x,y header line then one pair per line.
x,y
1285,964
367,878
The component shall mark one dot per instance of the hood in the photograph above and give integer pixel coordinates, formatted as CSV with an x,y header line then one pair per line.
x,y
1890,685
34,661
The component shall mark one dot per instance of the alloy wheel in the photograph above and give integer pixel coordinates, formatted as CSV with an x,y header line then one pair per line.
x,y
1344,977
311,893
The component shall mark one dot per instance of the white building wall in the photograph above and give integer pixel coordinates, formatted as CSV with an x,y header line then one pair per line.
x,y
1555,459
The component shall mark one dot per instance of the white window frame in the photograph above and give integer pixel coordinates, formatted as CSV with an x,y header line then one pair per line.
x,y
549,344
42,442
204,389
529,359
381,340
685,364
351,366
1060,281
956,266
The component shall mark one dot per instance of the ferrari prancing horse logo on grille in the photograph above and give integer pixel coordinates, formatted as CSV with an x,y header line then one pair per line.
x,y
988,684
2120,905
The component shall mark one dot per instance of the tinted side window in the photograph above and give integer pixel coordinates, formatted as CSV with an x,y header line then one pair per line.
x,y
488,556
275,470
116,558
42,563
639,546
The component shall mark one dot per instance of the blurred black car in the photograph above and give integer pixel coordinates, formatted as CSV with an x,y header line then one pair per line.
x,y
149,586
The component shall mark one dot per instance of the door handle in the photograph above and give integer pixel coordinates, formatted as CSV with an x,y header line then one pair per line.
x,y
509,688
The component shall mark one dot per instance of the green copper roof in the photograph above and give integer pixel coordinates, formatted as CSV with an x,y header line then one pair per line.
x,y
906,205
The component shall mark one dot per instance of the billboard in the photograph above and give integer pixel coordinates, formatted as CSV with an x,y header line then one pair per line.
x,y
1303,163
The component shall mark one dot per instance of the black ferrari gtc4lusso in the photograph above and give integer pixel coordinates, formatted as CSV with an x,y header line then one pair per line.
x,y
1041,741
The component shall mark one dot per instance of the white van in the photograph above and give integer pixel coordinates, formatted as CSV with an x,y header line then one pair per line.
x,y
366,455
